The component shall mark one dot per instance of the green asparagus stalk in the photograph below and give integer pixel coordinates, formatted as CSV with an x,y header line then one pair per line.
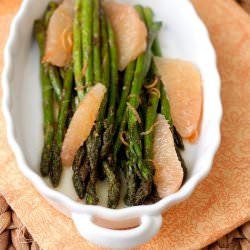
x,y
77,50
110,120
83,28
56,166
135,155
105,65
107,167
55,80
48,112
164,99
129,74
87,40
53,71
165,106
93,143
110,51
152,106
97,41
165,110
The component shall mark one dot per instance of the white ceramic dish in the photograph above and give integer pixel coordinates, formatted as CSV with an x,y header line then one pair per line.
x,y
183,36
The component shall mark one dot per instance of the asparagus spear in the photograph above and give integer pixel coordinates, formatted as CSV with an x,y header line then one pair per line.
x,y
93,143
78,182
82,51
152,106
53,71
129,74
87,40
165,106
56,166
110,120
105,64
77,50
96,41
55,80
48,113
165,110
135,155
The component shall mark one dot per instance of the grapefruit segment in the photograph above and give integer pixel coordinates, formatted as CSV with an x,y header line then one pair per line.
x,y
59,43
82,123
131,32
183,84
168,171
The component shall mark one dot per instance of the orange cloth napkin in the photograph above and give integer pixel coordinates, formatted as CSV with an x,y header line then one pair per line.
x,y
219,204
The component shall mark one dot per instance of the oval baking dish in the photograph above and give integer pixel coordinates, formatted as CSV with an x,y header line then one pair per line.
x,y
183,36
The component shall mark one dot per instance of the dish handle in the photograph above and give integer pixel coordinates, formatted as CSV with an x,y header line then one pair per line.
x,y
115,239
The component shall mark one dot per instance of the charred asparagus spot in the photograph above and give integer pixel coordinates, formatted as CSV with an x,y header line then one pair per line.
x,y
178,139
47,96
114,185
183,164
93,144
153,198
91,197
56,166
78,180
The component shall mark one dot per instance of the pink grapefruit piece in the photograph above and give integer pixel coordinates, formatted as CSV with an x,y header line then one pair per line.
x,y
169,174
131,32
183,84
82,123
58,49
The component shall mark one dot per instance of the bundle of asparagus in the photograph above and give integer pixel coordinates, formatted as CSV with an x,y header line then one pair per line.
x,y
120,143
